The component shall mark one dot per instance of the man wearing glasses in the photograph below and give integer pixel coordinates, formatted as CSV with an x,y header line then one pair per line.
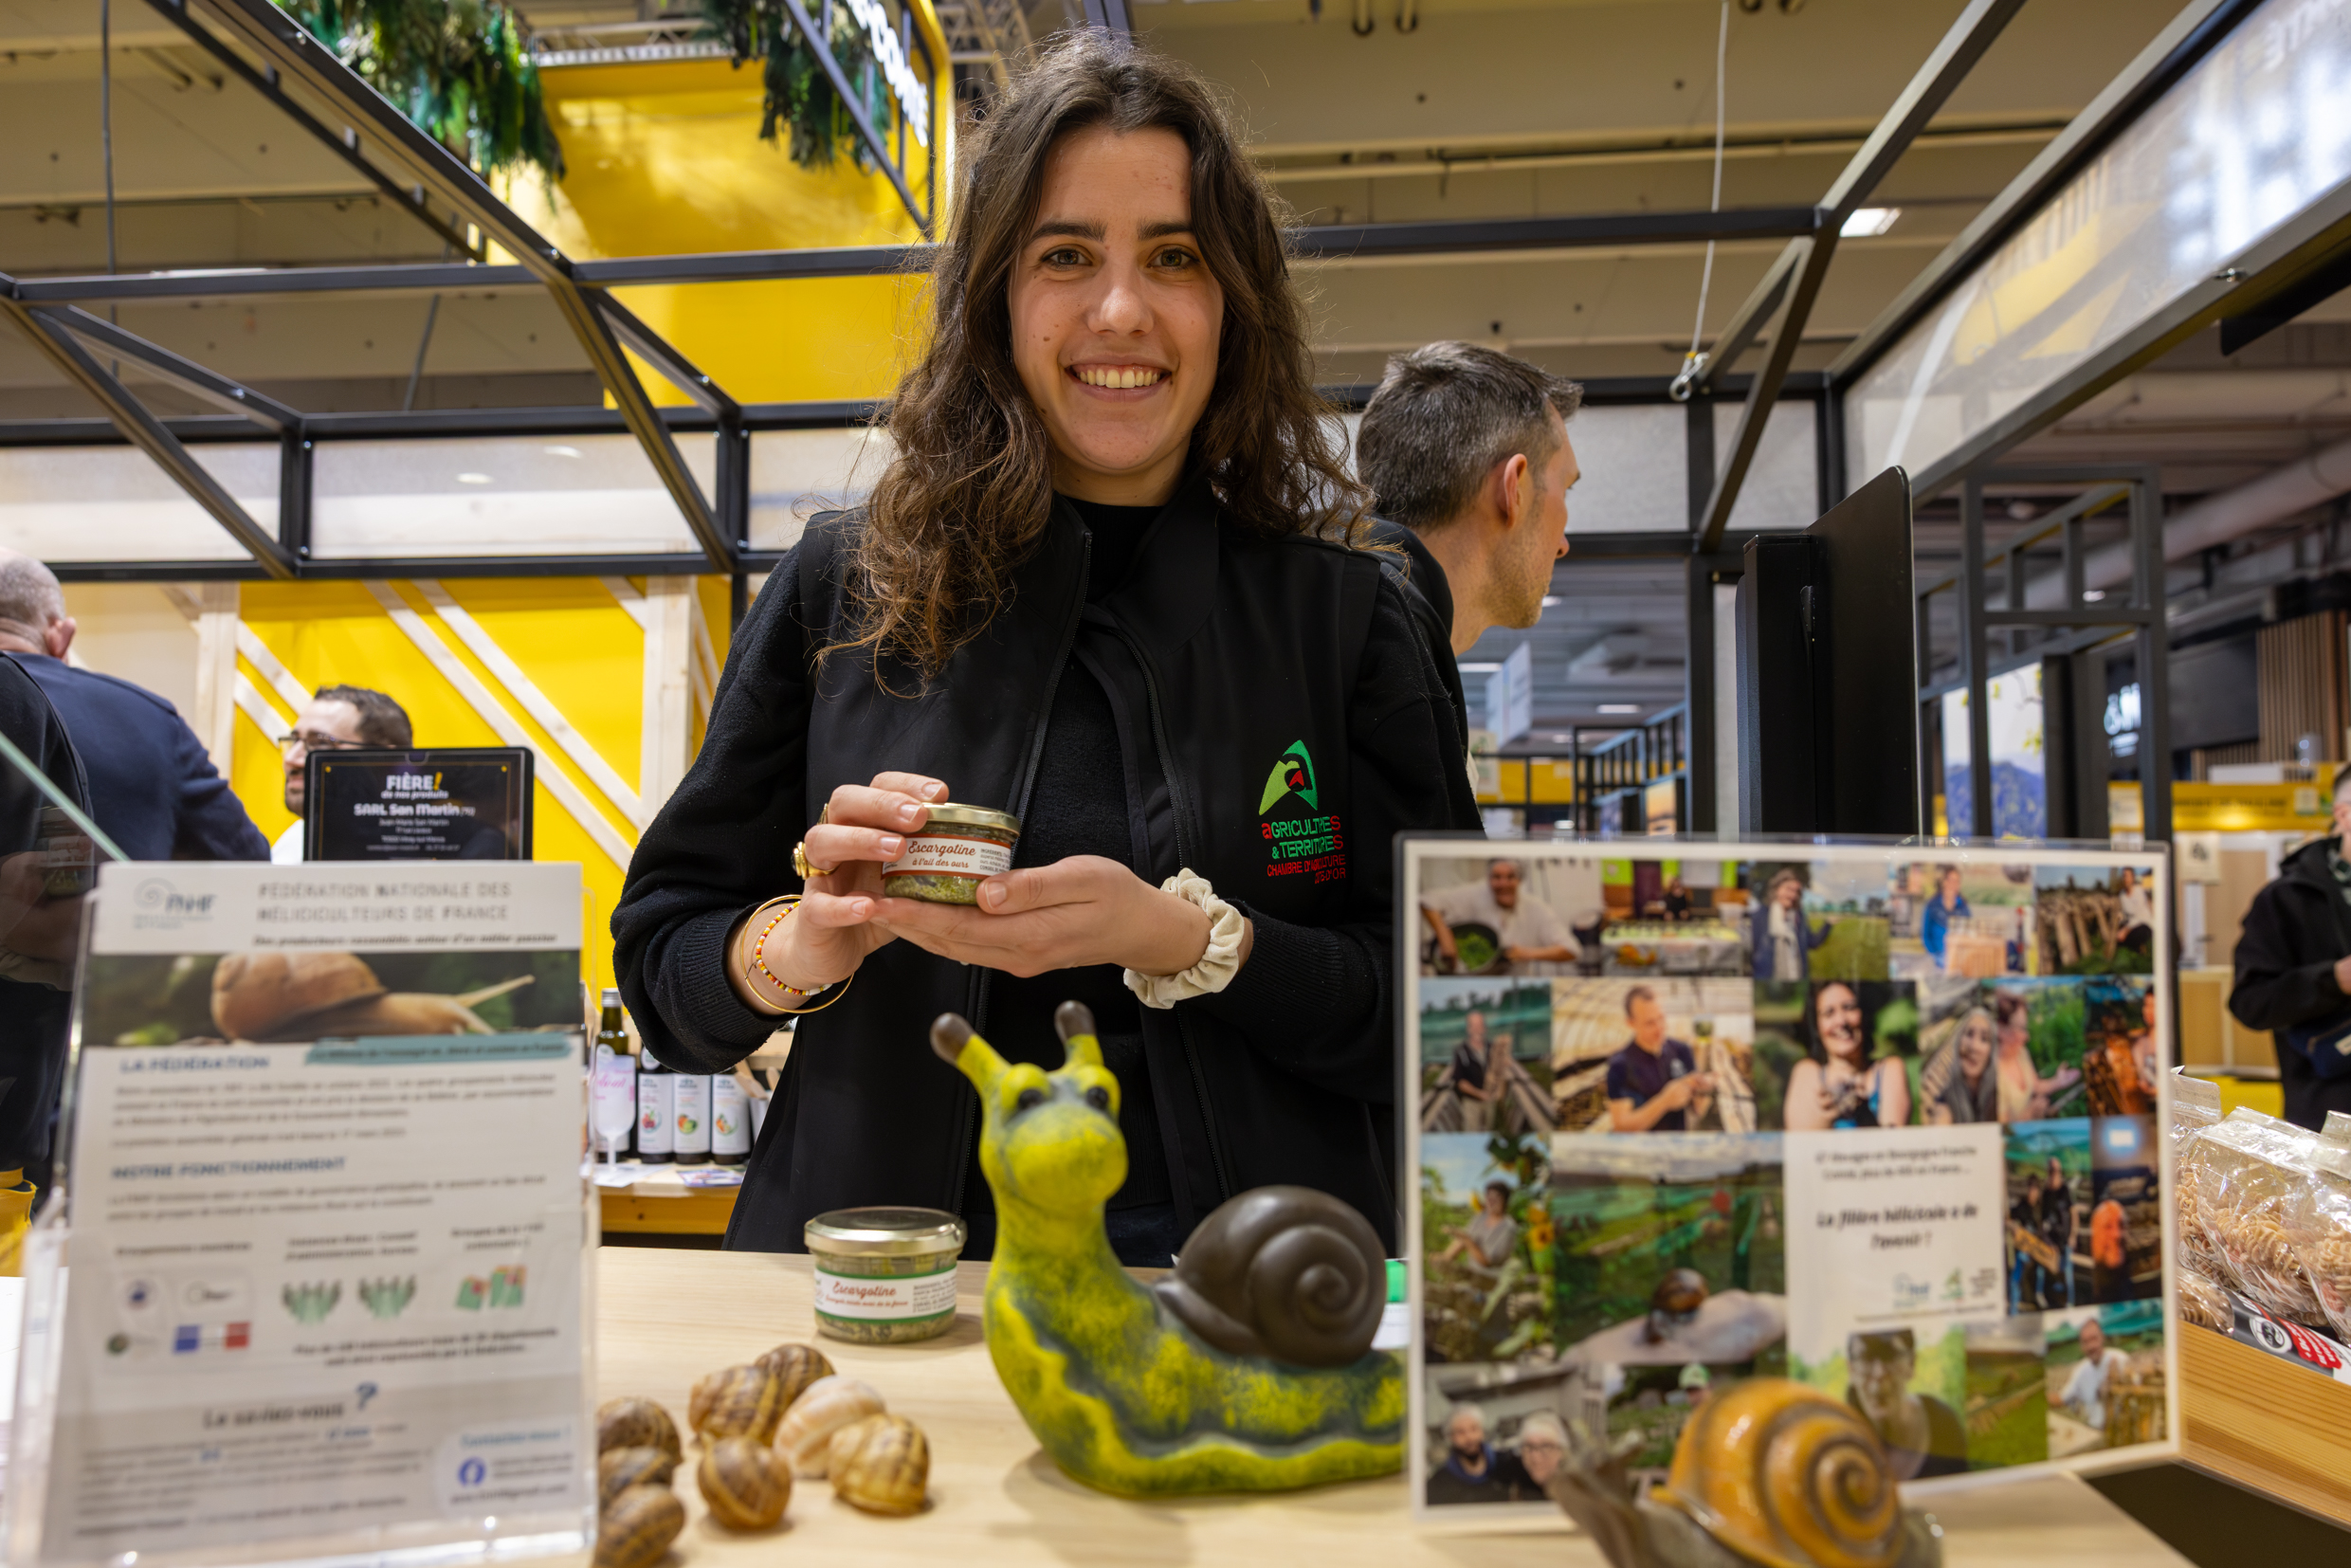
x,y
337,718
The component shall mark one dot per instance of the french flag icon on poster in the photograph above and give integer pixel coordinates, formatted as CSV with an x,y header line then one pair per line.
x,y
188,1339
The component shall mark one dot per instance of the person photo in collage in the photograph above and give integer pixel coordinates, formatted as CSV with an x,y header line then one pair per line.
x,y
1607,1147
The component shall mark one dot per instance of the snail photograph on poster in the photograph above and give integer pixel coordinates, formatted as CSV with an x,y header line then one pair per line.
x,y
190,998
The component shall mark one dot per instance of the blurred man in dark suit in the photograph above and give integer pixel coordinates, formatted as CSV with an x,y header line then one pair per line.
x,y
152,789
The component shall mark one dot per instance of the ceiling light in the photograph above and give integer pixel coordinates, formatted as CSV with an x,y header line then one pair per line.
x,y
1493,668
1866,223
1550,599
1564,739
2091,595
562,451
1620,707
473,479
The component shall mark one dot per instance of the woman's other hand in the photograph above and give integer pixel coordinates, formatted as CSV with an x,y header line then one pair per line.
x,y
823,940
1080,911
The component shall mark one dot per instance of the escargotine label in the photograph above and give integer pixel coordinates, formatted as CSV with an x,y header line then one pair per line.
x,y
887,1296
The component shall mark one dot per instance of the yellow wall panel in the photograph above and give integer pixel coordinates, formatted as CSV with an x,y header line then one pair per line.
x,y
577,646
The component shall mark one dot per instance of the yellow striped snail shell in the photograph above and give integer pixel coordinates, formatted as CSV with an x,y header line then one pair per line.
x,y
795,1367
829,1404
637,1526
747,1483
744,1401
635,1424
617,1470
882,1464
1789,1477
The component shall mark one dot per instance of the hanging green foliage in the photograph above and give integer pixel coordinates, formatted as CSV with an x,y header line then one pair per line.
x,y
456,67
797,93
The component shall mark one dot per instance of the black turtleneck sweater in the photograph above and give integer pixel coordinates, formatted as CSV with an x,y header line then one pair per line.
x,y
1083,803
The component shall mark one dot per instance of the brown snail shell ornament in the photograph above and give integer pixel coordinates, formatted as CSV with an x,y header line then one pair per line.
x,y
794,1368
829,1404
1767,1473
882,1464
636,1528
617,1470
636,1424
743,1401
1285,1272
747,1485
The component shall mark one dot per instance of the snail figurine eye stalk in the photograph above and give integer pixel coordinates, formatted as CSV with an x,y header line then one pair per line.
x,y
1250,1369
1770,1473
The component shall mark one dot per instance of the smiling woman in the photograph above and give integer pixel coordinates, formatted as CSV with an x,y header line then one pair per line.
x,y
1104,591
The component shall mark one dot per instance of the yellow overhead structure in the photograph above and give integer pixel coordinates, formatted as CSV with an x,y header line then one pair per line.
x,y
665,158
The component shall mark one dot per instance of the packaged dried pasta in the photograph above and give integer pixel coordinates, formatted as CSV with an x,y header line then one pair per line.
x,y
2322,1228
2203,1302
2196,1106
2247,1196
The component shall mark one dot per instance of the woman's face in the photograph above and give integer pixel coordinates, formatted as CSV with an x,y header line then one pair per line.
x,y
1977,1038
1114,315
1839,1019
1787,893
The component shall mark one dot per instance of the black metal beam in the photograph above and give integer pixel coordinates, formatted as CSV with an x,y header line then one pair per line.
x,y
345,146
165,366
1342,242
1110,17
281,45
1328,242
675,366
1925,93
2180,46
1739,333
145,431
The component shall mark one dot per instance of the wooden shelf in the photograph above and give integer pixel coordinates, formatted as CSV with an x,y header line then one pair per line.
x,y
2281,1430
700,1211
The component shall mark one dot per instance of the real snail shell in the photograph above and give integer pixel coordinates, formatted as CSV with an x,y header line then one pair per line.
x,y
262,995
829,1404
635,1424
1789,1477
637,1526
795,1367
617,1470
1285,1272
744,1401
747,1483
882,1464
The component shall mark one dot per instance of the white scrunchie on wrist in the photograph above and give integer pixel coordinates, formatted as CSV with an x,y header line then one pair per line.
x,y
1216,967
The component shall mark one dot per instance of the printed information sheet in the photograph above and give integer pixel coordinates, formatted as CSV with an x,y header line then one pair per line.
x,y
326,1212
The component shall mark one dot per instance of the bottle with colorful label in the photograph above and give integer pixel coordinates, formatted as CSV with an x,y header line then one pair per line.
x,y
692,1119
657,1111
730,1121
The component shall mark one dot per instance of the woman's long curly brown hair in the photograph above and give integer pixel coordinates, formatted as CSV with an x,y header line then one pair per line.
x,y
970,491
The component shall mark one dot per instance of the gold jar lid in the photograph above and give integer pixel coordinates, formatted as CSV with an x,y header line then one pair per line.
x,y
884,1233
947,813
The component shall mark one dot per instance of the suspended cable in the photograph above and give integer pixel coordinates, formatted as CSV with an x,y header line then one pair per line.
x,y
1694,362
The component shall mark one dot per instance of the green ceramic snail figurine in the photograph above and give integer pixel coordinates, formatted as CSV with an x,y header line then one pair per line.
x,y
1769,1473
1250,1369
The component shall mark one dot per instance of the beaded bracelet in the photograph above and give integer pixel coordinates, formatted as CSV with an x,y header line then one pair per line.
x,y
759,963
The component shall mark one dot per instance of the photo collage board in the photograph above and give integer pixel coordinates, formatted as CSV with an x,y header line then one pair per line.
x,y
1887,1121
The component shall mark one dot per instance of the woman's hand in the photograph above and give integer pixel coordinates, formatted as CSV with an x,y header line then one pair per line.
x,y
823,940
1080,911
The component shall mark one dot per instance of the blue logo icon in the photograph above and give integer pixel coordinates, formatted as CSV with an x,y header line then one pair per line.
x,y
187,1340
471,1472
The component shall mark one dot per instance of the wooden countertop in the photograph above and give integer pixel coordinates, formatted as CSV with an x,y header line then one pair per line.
x,y
667,1316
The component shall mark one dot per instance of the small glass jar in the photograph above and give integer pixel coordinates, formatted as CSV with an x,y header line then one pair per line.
x,y
947,858
884,1276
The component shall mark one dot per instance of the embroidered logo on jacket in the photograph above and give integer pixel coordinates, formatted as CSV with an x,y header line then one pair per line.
x,y
1308,845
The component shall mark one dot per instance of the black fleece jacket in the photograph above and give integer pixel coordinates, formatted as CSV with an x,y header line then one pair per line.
x,y
1281,720
2285,975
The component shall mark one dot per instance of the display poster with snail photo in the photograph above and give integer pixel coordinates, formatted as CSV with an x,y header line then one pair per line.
x,y
1881,1120
324,1201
